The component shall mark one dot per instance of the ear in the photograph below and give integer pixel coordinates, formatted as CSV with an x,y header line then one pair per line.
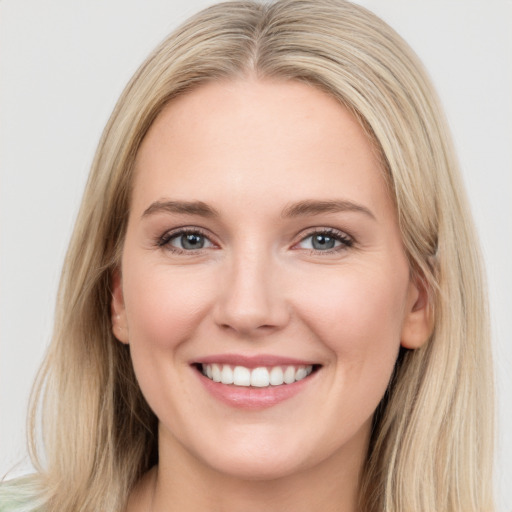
x,y
419,319
117,309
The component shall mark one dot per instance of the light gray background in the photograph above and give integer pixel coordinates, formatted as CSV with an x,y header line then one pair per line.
x,y
63,63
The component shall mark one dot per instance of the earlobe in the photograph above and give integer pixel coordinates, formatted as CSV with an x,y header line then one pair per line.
x,y
117,309
419,320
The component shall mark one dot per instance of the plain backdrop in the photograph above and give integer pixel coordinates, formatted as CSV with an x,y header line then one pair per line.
x,y
63,63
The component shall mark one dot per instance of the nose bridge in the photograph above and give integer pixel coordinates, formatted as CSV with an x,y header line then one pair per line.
x,y
250,300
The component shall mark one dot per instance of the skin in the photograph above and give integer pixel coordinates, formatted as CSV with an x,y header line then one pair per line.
x,y
249,149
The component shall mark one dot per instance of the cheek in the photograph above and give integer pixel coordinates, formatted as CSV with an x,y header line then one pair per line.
x,y
359,316
365,299
163,307
163,311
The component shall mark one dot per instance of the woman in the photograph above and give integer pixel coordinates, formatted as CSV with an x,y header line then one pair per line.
x,y
273,296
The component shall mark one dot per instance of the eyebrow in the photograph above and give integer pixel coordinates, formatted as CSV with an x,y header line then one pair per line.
x,y
302,208
181,207
312,207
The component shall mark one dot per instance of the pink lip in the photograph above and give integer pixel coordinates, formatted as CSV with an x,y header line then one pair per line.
x,y
252,398
252,361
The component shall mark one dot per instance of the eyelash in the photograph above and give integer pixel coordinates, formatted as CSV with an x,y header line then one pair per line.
x,y
339,236
166,238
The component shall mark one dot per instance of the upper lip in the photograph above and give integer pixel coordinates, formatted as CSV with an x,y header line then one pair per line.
x,y
253,361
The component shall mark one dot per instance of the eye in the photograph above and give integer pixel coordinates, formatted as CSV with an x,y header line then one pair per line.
x,y
185,241
325,241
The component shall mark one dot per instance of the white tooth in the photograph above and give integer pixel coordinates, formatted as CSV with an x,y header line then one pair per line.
x,y
260,377
309,369
226,377
216,373
208,370
289,375
301,373
241,376
276,376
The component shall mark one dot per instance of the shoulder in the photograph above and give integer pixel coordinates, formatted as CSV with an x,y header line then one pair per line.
x,y
20,495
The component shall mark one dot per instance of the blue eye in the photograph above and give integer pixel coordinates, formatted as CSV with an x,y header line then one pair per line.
x,y
185,241
325,241
189,241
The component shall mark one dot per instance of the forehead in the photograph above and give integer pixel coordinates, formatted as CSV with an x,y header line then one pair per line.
x,y
242,139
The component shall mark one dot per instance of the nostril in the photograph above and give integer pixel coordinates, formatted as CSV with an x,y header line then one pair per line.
x,y
251,304
248,328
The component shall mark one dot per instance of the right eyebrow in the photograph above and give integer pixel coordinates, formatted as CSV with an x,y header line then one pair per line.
x,y
181,207
312,207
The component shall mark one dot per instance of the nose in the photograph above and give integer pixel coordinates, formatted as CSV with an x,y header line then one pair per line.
x,y
251,299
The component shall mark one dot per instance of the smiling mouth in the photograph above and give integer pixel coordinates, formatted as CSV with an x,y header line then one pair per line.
x,y
259,377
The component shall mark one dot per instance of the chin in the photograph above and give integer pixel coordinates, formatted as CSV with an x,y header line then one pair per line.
x,y
261,458
257,468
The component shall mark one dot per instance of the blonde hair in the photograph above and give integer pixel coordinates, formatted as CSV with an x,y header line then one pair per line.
x,y
431,446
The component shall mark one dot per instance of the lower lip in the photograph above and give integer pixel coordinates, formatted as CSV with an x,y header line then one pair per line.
x,y
247,397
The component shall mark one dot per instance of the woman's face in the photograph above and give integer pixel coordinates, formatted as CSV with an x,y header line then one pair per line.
x,y
263,247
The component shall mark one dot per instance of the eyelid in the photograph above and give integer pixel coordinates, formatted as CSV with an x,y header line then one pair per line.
x,y
346,241
163,241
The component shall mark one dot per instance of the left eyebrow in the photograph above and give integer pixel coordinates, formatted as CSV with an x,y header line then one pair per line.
x,y
312,207
181,207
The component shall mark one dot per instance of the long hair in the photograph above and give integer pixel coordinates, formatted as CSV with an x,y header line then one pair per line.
x,y
431,446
